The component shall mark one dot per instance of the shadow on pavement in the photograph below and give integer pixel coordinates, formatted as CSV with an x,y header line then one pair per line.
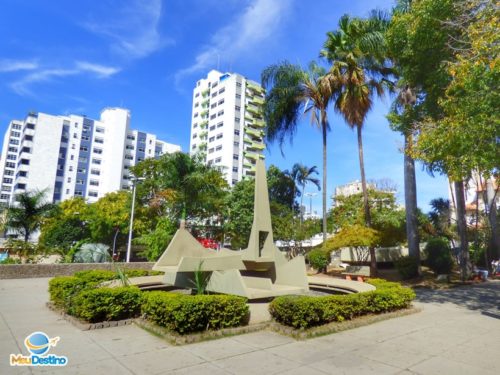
x,y
484,297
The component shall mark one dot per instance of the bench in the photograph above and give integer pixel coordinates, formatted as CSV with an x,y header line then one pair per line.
x,y
360,273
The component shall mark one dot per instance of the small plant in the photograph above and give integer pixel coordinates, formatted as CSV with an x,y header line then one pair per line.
x,y
439,257
318,259
10,261
122,277
407,267
201,279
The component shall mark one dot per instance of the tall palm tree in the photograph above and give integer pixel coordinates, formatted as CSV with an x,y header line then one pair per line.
x,y
304,175
27,214
291,93
357,53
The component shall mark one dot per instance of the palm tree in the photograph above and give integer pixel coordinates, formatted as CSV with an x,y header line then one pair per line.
x,y
27,214
357,53
291,93
304,175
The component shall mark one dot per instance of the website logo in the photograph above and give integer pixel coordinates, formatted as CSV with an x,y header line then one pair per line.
x,y
39,344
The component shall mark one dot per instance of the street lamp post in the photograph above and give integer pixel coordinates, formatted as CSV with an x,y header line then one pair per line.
x,y
129,245
310,195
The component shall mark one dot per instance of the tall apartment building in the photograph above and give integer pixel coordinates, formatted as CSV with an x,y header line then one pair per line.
x,y
227,127
73,155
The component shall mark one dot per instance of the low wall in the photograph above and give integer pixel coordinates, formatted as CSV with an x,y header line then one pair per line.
x,y
26,271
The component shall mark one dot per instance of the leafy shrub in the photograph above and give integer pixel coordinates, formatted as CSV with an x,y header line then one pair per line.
x,y
185,314
104,304
10,261
308,311
62,289
318,259
97,276
407,267
439,257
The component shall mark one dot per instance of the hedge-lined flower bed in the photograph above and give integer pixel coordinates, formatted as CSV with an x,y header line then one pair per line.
x,y
185,314
307,311
81,296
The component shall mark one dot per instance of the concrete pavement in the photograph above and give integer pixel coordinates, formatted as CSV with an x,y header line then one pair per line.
x,y
458,332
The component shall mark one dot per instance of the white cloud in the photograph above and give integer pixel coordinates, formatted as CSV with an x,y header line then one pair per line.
x,y
7,65
23,85
133,28
101,70
243,35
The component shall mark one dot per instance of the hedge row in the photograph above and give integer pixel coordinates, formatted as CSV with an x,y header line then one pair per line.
x,y
185,314
80,296
307,311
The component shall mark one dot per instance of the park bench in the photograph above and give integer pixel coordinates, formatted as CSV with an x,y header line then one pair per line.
x,y
360,273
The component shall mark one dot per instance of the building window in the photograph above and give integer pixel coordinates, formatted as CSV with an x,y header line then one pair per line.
x,y
212,116
235,157
94,183
26,149
92,193
222,90
79,193
23,174
85,138
195,114
212,127
21,186
219,136
130,137
69,180
16,126
67,191
25,161
236,132
99,140
7,180
28,137
78,182
84,148
221,102
81,170
12,149
99,130
4,196
82,160
196,104
218,160
129,147
72,157
9,172
237,108
218,148
195,125
214,94
197,94
211,139
99,150
96,161
14,141
215,84
211,150
238,96
213,105
11,157
236,119
238,84
220,113
129,157
96,172
235,169
10,165
70,168
15,134
75,135
220,124
236,143
195,135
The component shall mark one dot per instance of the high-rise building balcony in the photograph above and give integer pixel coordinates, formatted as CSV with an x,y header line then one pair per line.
x,y
253,155
259,123
204,124
254,110
254,87
204,113
256,133
205,92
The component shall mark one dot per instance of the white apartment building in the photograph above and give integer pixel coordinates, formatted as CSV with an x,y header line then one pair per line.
x,y
227,127
73,155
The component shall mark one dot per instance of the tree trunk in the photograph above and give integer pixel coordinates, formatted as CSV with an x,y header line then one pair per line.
x,y
462,229
366,204
491,193
324,130
411,202
302,205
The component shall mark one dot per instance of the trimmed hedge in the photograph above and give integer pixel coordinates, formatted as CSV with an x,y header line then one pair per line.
x,y
308,311
319,259
63,289
407,267
186,314
104,304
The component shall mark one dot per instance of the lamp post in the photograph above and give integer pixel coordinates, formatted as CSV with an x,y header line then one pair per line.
x,y
129,245
310,195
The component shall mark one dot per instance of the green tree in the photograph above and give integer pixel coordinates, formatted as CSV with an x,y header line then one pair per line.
x,y
357,53
387,218
291,93
27,213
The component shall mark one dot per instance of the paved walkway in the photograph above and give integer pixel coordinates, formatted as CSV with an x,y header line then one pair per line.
x,y
458,332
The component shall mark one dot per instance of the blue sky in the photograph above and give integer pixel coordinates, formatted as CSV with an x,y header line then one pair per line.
x,y
65,56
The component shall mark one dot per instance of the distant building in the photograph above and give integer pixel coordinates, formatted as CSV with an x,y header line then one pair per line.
x,y
349,189
227,127
73,156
